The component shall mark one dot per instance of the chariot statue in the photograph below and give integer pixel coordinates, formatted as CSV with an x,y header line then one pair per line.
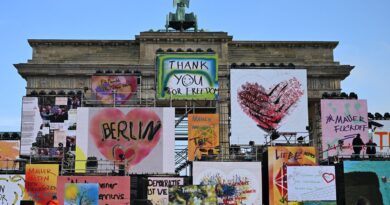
x,y
181,20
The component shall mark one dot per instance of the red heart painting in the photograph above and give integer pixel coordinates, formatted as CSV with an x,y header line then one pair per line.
x,y
268,107
328,177
125,136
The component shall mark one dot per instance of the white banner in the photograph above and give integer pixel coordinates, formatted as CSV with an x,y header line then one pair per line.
x,y
264,100
311,183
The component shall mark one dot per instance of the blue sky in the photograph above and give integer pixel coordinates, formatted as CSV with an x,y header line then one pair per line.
x,y
362,27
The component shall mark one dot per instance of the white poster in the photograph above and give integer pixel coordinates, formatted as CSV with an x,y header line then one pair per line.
x,y
144,137
11,189
31,124
41,118
311,183
263,100
236,182
381,137
158,188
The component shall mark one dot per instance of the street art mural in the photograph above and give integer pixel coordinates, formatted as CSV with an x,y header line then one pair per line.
x,y
192,195
81,194
46,123
11,189
343,122
158,188
311,183
41,182
111,189
203,135
236,183
278,160
367,181
114,88
381,137
9,152
187,76
142,139
263,101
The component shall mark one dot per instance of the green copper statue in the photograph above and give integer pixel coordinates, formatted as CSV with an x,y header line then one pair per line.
x,y
180,20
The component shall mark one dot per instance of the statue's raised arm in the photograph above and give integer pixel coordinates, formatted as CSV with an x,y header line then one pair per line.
x,y
184,3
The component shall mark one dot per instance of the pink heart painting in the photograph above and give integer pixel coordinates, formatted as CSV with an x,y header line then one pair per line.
x,y
328,177
268,107
127,136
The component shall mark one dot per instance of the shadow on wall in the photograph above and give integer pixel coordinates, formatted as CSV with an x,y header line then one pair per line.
x,y
362,188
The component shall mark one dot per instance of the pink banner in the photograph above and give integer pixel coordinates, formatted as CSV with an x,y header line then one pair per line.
x,y
112,189
343,122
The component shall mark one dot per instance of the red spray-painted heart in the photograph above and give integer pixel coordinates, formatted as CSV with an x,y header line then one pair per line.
x,y
268,107
328,177
130,137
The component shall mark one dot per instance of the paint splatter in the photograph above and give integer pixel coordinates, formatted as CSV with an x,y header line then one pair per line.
x,y
235,190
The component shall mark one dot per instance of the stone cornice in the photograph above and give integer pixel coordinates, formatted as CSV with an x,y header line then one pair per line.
x,y
27,69
62,42
285,44
181,37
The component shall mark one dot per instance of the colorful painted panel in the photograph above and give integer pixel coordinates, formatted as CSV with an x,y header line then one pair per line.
x,y
41,182
381,137
313,203
9,152
238,183
311,183
367,182
81,194
144,137
203,135
107,89
158,188
192,195
263,100
278,160
342,122
11,189
112,189
187,76
46,124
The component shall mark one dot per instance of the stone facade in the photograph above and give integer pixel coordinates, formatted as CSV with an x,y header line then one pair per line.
x,y
68,65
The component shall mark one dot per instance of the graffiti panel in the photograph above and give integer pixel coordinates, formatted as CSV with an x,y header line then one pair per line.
x,y
278,160
236,182
113,88
192,195
367,182
140,138
264,100
158,188
187,76
344,125
41,182
203,135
